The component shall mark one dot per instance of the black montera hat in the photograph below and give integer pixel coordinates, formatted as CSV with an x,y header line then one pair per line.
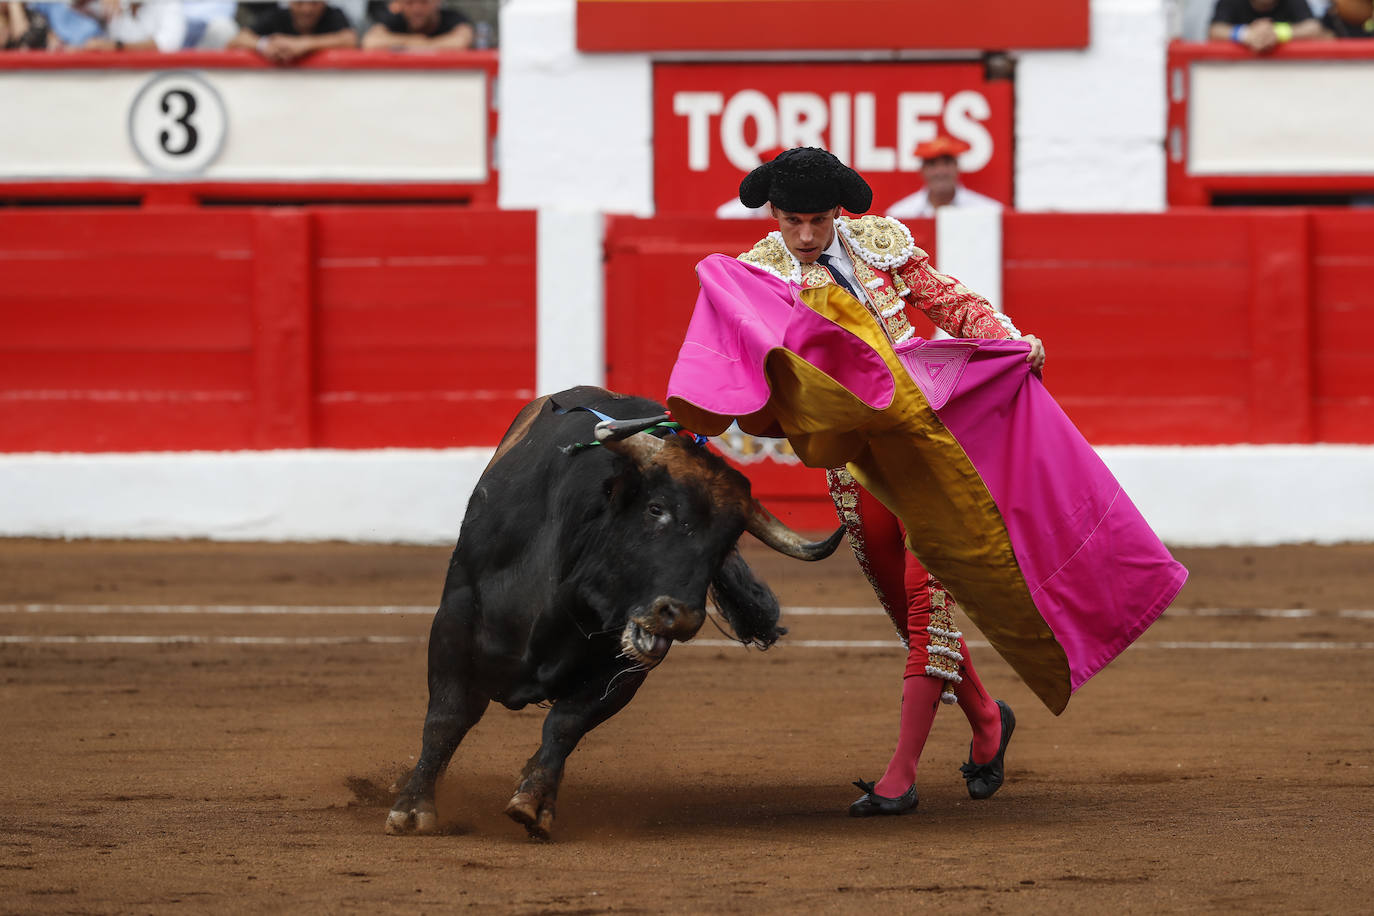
x,y
806,180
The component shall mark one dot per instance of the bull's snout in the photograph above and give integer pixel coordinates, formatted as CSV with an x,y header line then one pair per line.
x,y
648,635
673,619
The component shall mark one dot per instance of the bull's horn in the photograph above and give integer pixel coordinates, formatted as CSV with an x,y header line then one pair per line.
x,y
611,430
766,527
641,447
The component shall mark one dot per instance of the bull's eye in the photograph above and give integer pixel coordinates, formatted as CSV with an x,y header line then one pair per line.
x,y
656,511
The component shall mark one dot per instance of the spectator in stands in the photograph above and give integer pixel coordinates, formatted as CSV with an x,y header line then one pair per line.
x,y
284,36
1350,19
18,31
71,25
210,24
420,25
135,26
940,169
1263,25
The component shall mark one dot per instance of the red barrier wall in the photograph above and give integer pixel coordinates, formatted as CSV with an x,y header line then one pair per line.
x,y
414,326
124,330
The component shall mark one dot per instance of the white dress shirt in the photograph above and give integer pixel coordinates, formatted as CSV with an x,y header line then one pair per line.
x,y
916,206
841,263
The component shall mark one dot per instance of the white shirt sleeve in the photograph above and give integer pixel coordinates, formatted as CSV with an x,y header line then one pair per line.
x,y
162,23
169,26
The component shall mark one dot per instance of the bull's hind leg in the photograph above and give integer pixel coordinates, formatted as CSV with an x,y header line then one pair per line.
x,y
454,707
570,718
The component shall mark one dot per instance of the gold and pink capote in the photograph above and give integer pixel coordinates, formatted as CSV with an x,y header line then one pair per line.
x,y
1001,497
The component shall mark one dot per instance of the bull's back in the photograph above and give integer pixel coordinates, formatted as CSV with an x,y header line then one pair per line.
x,y
547,426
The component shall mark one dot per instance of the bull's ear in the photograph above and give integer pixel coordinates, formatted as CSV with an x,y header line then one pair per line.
x,y
746,602
640,447
621,484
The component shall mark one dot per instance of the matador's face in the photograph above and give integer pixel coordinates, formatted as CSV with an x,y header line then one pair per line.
x,y
806,235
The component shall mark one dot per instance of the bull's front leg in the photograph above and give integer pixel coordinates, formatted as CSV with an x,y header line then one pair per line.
x,y
570,718
455,705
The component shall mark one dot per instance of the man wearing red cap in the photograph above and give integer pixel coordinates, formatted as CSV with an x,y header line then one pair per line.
x,y
876,261
940,169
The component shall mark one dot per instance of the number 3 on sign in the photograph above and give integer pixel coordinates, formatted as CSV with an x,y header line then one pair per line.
x,y
177,123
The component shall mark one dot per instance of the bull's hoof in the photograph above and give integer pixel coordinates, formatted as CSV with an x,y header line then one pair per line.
x,y
523,808
412,818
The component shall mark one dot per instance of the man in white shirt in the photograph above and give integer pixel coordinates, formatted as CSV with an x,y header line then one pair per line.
x,y
940,169
134,26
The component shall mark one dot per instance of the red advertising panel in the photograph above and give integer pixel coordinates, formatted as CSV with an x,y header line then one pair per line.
x,y
753,25
714,122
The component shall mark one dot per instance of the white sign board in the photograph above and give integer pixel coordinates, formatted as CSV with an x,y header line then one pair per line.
x,y
1272,117
245,125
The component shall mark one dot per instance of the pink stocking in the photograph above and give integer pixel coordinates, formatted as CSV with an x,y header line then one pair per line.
x,y
920,700
981,709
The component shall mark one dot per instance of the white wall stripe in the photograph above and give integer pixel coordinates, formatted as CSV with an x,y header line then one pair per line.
x,y
1193,496
191,639
265,609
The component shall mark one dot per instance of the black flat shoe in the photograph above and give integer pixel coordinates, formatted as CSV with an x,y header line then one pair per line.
x,y
984,779
872,803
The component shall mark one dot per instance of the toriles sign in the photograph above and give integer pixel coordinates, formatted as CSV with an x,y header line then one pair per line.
x,y
715,122
804,25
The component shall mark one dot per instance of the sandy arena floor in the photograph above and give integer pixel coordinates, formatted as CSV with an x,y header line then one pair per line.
x,y
229,751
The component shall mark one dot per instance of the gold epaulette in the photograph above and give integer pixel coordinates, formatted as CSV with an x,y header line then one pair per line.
x,y
771,254
881,241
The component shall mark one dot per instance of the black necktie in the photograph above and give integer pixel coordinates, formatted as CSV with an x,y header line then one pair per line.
x,y
835,272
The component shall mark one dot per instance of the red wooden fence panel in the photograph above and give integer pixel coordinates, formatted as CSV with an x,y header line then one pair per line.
x,y
1145,320
1342,325
426,324
126,330
179,329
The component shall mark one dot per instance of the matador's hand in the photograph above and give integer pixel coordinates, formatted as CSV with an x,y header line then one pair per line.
x,y
1036,357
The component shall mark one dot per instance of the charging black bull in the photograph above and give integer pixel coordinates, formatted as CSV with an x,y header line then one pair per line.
x,y
577,567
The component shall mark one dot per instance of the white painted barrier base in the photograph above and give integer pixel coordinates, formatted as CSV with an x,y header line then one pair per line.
x,y
388,495
1226,495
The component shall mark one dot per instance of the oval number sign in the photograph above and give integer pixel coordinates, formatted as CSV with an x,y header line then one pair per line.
x,y
177,123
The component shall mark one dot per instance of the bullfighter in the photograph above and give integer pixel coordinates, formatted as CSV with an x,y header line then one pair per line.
x,y
941,455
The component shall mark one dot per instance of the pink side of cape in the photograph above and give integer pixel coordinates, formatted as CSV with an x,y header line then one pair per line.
x,y
742,314
1097,572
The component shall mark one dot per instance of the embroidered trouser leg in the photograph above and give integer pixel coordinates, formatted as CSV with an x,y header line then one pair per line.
x,y
875,536
921,610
